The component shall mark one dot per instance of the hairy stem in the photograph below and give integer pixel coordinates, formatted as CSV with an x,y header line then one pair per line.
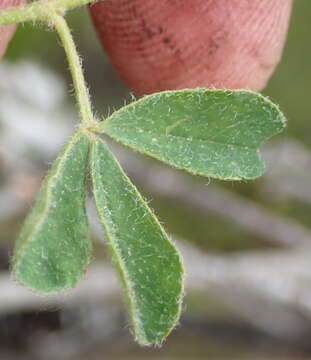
x,y
39,11
81,90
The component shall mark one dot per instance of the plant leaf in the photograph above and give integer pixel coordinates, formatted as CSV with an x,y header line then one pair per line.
x,y
147,260
54,246
213,133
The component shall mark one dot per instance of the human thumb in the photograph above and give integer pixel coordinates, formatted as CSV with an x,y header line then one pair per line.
x,y
171,44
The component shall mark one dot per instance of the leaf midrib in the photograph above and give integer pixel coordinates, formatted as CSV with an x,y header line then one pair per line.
x,y
212,142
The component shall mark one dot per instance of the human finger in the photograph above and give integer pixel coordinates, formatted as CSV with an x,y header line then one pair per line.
x,y
171,44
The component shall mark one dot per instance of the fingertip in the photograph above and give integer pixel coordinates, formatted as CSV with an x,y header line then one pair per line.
x,y
162,44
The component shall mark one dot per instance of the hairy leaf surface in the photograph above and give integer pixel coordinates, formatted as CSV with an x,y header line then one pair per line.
x,y
54,246
148,262
213,133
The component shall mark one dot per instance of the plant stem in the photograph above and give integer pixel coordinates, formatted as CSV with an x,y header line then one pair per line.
x,y
39,10
81,90
52,11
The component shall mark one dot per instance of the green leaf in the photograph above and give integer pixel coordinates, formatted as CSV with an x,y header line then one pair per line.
x,y
213,133
147,260
54,246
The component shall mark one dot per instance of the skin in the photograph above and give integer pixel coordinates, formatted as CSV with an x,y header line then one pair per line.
x,y
158,45
6,32
171,44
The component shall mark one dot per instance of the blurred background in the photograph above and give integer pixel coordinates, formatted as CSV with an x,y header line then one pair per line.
x,y
247,245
